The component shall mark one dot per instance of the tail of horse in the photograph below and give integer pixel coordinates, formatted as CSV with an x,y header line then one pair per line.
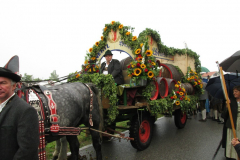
x,y
96,91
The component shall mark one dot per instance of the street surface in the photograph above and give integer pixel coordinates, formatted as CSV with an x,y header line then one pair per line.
x,y
197,141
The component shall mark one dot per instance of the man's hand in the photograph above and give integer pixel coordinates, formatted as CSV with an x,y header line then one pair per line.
x,y
235,141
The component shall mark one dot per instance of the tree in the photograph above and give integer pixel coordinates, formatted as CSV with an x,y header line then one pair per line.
x,y
54,76
27,77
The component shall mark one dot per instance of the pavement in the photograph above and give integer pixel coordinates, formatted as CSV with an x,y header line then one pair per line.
x,y
196,141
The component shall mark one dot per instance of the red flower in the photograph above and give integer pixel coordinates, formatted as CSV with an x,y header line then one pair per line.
x,y
138,64
149,61
150,66
180,89
177,92
195,79
171,97
97,71
181,98
93,65
132,73
140,55
85,69
198,83
146,70
129,66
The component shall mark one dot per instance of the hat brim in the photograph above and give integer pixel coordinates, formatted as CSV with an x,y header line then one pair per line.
x,y
106,55
12,76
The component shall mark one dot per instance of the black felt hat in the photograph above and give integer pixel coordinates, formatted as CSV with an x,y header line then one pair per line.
x,y
108,52
9,74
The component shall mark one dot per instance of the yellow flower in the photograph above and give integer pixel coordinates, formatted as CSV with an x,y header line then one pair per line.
x,y
137,71
141,45
129,75
78,75
134,38
112,22
149,53
200,85
186,98
196,77
90,70
183,89
176,85
85,62
139,59
93,58
195,72
178,82
138,51
127,33
93,69
87,66
192,77
188,79
102,38
120,26
143,66
97,43
150,74
195,83
105,29
153,63
96,66
133,65
90,50
181,93
174,96
177,103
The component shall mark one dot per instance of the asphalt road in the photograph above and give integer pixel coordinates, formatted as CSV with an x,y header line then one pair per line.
x,y
197,141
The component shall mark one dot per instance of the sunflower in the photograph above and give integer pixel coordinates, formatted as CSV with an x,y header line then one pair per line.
x,y
137,71
97,43
177,103
90,70
150,74
138,51
90,50
153,63
78,75
139,59
93,58
102,38
181,93
127,33
105,29
176,85
130,75
141,45
195,83
120,26
87,66
143,66
112,22
188,79
183,89
85,62
134,38
174,96
149,53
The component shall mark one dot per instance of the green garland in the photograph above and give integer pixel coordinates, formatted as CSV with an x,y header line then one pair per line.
x,y
171,50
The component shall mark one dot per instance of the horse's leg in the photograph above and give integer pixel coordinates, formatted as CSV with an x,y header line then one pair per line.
x,y
96,140
57,150
63,150
74,147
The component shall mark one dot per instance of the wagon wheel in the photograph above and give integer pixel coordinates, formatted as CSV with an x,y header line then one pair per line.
x,y
180,118
141,132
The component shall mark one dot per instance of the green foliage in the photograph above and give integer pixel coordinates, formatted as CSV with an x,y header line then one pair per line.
x,y
54,76
27,77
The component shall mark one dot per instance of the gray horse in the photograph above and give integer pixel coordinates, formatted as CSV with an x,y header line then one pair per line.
x,y
73,107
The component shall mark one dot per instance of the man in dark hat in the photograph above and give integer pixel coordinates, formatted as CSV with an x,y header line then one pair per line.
x,y
113,67
19,131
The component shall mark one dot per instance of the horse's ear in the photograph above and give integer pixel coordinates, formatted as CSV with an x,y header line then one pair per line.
x,y
13,64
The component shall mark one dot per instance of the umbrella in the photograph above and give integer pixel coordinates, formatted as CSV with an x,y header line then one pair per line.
x,y
231,64
214,86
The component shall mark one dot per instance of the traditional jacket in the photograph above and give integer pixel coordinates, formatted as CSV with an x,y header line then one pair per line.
x,y
114,68
19,131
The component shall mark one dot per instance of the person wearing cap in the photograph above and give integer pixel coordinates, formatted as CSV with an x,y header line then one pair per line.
x,y
19,126
113,67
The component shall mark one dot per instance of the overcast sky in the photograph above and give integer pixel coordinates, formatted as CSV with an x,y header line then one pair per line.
x,y
52,35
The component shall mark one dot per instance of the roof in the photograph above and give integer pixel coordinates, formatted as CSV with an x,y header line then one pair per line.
x,y
208,74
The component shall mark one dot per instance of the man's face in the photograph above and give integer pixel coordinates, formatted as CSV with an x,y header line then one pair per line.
x,y
6,88
108,58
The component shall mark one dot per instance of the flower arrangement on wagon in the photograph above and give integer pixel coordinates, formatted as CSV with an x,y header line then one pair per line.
x,y
179,97
143,66
90,65
195,79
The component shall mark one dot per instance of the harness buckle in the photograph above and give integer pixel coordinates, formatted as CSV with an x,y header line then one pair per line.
x,y
54,118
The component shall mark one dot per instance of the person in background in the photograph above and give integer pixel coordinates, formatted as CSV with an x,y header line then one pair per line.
x,y
19,126
113,67
202,101
227,137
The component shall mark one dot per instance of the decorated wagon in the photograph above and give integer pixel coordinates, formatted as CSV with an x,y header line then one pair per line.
x,y
157,79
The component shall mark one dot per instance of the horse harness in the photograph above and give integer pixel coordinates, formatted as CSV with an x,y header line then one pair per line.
x,y
41,99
